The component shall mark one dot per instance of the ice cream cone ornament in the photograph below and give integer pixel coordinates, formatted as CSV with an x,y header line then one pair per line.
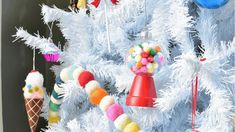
x,y
33,96
143,60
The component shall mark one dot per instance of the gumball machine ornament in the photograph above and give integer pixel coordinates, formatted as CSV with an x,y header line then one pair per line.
x,y
143,60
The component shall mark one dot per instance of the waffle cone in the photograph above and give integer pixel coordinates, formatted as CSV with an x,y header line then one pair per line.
x,y
33,108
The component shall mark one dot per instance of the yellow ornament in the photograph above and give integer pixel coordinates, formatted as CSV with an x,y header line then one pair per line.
x,y
132,127
82,4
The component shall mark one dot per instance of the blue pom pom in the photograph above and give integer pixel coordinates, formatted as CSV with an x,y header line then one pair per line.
x,y
29,86
211,4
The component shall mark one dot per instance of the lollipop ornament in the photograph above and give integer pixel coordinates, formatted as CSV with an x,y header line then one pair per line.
x,y
143,60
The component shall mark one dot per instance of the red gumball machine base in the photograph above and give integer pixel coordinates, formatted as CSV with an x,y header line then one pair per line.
x,y
142,92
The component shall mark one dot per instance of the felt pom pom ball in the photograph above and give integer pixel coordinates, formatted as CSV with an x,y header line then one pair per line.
x,y
114,111
77,72
122,121
97,95
132,127
106,102
64,75
91,86
85,77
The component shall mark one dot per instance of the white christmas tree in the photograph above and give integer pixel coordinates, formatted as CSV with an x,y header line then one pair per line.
x,y
179,29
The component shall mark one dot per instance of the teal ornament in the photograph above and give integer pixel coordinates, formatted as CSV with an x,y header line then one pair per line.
x,y
54,107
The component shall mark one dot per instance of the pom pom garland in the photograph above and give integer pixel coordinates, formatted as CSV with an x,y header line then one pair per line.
x,y
97,96
106,102
85,77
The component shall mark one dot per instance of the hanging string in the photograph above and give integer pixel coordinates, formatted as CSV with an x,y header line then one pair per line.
x,y
50,30
194,100
145,12
107,26
34,58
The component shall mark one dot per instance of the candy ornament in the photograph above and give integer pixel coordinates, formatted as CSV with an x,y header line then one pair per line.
x,y
143,60
51,52
211,4
34,96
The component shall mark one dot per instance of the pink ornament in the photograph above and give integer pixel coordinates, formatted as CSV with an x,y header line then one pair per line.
x,y
114,111
144,61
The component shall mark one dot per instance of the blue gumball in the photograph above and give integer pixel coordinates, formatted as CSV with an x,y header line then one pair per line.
x,y
211,4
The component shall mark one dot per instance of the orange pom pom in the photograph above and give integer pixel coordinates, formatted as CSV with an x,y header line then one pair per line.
x,y
158,49
97,95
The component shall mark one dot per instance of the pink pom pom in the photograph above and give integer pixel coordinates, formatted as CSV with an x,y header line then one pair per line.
x,y
114,111
144,61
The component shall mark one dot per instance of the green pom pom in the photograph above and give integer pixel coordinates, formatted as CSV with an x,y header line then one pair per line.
x,y
56,95
54,107
152,52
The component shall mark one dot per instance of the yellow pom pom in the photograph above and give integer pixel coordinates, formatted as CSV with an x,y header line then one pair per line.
x,y
35,89
52,120
132,127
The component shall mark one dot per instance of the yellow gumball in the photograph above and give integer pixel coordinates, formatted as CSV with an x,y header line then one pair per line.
x,y
132,127
150,70
132,50
147,49
138,58
155,65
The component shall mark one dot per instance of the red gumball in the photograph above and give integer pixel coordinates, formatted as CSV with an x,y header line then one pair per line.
x,y
150,59
144,54
85,77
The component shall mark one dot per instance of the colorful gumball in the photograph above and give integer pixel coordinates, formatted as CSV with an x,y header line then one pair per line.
x,y
143,55
97,95
85,77
114,111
